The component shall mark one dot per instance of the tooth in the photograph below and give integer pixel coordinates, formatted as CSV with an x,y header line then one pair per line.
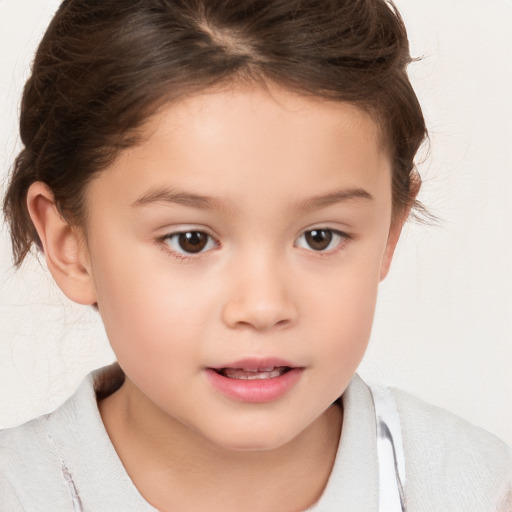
x,y
259,375
254,370
265,375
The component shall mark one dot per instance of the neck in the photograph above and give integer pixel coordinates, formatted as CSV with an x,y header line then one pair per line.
x,y
176,468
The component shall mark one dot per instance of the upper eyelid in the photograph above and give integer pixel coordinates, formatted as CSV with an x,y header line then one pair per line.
x,y
171,232
168,232
321,227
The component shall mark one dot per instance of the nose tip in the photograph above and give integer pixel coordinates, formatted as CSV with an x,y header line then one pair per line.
x,y
259,303
260,318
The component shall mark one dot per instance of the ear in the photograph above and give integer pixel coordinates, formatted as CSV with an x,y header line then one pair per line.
x,y
65,252
397,223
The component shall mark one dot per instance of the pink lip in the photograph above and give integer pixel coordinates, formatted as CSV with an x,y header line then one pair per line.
x,y
257,390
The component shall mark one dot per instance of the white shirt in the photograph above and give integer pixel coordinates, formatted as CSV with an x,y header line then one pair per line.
x,y
65,461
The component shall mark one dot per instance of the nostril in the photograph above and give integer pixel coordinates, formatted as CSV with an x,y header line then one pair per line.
x,y
259,308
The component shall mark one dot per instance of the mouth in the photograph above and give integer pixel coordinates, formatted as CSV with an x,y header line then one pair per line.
x,y
270,372
255,380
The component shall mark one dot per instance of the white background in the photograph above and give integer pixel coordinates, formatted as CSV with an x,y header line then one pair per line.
x,y
443,329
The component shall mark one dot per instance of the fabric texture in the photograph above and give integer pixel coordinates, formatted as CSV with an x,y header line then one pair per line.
x,y
64,461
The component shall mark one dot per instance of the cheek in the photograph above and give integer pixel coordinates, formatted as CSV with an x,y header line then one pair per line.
x,y
145,307
342,317
152,333
343,308
347,321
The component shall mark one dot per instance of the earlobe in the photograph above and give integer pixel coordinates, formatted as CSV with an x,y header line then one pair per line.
x,y
65,254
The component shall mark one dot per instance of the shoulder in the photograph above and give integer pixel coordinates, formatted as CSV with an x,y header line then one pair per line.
x,y
33,463
65,459
29,466
451,464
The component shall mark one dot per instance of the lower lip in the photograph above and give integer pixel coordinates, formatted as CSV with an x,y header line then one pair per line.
x,y
256,390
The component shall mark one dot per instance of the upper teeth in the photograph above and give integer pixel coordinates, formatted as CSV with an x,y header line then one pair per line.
x,y
251,373
269,369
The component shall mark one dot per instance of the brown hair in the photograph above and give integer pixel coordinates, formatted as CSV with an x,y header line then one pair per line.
x,y
104,66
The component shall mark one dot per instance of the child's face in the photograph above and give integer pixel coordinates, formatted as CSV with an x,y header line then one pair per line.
x,y
287,205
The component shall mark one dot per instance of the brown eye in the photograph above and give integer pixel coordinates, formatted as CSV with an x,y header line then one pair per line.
x,y
190,242
321,239
193,241
318,239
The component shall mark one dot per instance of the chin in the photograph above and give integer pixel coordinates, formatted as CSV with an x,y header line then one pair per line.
x,y
253,440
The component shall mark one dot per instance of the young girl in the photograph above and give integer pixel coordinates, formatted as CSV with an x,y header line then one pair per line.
x,y
226,182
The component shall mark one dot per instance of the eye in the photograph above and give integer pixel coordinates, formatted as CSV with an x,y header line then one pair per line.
x,y
190,242
321,240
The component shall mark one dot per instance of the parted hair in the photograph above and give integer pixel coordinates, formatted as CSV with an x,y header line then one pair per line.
x,y
104,67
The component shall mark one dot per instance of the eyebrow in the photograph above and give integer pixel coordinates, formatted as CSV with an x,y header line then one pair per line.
x,y
332,198
176,197
209,203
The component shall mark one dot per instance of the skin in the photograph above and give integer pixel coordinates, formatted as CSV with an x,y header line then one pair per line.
x,y
263,157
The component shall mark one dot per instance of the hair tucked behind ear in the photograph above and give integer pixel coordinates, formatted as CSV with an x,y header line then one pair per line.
x,y
104,66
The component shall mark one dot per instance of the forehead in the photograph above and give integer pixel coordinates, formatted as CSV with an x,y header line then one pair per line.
x,y
243,144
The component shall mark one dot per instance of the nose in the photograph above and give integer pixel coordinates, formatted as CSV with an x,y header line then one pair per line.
x,y
260,297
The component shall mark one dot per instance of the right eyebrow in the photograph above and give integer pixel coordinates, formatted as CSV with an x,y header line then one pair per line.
x,y
166,195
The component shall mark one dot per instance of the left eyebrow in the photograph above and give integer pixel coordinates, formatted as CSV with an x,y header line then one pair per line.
x,y
166,195
338,196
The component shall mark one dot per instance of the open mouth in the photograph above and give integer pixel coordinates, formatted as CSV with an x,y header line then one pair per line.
x,y
255,381
270,372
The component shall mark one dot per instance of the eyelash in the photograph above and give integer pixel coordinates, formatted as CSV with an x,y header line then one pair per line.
x,y
339,237
183,257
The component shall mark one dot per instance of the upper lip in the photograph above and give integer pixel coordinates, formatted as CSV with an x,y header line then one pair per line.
x,y
255,364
